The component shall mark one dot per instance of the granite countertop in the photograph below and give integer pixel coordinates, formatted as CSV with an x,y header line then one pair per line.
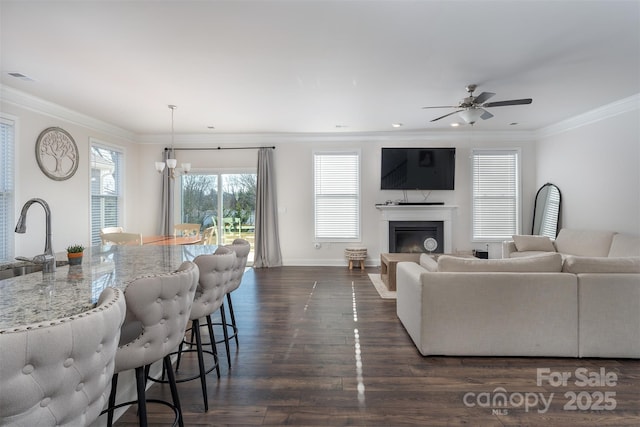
x,y
38,297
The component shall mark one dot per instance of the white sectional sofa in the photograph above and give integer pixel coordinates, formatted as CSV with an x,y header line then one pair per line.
x,y
574,242
581,303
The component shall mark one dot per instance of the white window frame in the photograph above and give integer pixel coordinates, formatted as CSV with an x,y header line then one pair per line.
x,y
329,227
120,196
496,197
7,188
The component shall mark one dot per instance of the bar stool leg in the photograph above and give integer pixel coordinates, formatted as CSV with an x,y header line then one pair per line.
x,y
233,318
203,380
141,382
223,317
112,399
174,389
212,339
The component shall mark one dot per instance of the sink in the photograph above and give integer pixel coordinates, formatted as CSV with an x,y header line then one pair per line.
x,y
19,271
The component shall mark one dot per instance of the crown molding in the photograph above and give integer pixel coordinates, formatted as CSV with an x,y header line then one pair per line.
x,y
282,138
624,105
38,105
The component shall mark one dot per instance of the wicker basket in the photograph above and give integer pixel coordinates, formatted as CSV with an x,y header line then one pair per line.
x,y
356,254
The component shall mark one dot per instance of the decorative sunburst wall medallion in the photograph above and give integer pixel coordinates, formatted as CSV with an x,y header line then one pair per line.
x,y
57,153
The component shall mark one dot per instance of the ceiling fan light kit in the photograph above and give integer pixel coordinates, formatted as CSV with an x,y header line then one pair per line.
x,y
470,115
472,108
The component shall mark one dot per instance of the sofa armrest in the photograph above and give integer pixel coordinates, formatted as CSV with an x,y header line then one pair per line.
x,y
409,298
508,247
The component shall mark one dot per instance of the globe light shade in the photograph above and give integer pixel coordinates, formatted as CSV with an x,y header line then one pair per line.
x,y
471,115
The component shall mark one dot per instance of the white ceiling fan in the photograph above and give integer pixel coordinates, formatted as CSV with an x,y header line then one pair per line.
x,y
472,107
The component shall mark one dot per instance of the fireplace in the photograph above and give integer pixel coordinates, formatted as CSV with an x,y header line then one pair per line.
x,y
416,236
417,213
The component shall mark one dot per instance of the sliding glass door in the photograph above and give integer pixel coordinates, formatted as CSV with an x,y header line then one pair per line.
x,y
226,201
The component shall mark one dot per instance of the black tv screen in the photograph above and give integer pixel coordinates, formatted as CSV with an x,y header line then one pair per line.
x,y
418,168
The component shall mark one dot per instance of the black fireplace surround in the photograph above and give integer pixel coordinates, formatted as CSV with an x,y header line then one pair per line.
x,y
412,236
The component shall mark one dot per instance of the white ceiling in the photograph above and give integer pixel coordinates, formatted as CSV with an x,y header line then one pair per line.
x,y
313,66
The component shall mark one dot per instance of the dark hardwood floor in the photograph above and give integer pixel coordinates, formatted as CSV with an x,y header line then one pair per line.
x,y
319,347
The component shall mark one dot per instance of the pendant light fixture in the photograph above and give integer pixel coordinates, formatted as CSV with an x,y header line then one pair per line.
x,y
171,161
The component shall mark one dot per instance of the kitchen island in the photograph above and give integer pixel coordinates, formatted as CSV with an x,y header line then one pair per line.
x,y
38,297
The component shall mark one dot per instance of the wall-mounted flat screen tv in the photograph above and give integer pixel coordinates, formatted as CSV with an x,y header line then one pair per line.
x,y
418,168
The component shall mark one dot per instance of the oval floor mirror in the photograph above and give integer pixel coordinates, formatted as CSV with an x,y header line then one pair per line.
x,y
546,211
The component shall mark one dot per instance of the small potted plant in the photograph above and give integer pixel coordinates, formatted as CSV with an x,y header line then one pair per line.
x,y
74,254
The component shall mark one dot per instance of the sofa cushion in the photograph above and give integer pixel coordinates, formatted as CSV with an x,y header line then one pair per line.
x,y
527,254
549,263
584,242
428,263
624,245
526,243
579,264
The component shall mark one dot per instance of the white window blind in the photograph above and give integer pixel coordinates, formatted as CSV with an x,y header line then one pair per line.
x,y
7,137
496,195
337,196
106,189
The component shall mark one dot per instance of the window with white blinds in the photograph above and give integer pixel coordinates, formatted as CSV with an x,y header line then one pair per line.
x,y
496,194
7,144
106,189
337,196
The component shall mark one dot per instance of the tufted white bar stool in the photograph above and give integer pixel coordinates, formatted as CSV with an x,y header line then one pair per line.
x,y
215,274
158,310
242,248
59,372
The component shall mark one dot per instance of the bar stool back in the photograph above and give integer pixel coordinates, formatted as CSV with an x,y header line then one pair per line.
x,y
59,372
215,273
158,309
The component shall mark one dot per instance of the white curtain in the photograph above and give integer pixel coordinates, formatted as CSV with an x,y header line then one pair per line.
x,y
166,220
267,245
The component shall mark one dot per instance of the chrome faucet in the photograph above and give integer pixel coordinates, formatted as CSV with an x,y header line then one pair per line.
x,y
48,259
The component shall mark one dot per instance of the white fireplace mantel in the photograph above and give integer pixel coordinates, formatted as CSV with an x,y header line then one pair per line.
x,y
442,213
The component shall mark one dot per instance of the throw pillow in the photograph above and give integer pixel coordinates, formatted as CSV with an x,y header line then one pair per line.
x,y
533,243
581,264
545,263
428,263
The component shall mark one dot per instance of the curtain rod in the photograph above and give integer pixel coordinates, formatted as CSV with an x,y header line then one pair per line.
x,y
215,148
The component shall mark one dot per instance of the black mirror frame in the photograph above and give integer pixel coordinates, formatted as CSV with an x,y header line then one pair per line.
x,y
535,203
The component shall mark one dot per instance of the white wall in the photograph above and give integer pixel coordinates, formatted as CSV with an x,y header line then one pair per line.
x,y
295,193
294,180
597,168
69,199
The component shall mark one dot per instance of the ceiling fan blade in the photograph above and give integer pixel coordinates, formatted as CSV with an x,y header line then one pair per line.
x,y
443,106
505,103
446,115
483,97
485,115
